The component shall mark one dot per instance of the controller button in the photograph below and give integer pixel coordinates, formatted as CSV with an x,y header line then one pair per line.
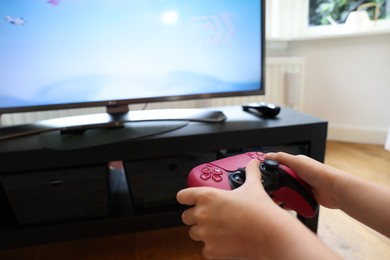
x,y
217,178
271,165
260,156
206,173
217,171
205,176
206,170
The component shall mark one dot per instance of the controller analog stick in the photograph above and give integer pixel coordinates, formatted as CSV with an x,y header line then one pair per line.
x,y
238,178
271,165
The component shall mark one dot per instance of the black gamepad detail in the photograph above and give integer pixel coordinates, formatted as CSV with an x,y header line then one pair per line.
x,y
278,180
270,176
266,110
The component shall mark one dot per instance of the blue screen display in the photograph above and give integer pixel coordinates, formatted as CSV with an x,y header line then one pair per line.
x,y
73,51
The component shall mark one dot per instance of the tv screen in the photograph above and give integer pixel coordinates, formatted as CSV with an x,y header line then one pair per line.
x,y
79,53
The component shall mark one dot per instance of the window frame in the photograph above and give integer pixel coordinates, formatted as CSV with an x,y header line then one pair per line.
x,y
289,20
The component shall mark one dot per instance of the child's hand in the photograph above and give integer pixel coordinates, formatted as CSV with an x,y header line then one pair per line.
x,y
319,176
225,220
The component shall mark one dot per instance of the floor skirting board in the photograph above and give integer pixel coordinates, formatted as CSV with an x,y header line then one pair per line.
x,y
358,135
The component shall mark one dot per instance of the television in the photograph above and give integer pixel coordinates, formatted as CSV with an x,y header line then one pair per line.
x,y
62,54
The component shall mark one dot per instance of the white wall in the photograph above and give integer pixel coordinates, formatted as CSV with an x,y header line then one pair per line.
x,y
347,82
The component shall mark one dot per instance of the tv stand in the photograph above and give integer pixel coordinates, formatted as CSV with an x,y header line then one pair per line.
x,y
114,118
51,195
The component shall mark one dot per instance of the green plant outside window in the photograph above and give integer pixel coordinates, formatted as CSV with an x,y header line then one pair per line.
x,y
323,12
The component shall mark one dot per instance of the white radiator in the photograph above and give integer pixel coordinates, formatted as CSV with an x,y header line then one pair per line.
x,y
283,86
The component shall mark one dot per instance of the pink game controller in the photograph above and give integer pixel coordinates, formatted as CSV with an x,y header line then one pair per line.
x,y
279,181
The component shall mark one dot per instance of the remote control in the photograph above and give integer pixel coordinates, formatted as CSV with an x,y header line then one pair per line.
x,y
266,110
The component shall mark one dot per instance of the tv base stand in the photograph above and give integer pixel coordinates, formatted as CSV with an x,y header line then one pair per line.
x,y
82,123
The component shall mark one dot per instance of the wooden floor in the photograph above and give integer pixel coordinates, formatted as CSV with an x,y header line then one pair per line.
x,y
343,234
349,238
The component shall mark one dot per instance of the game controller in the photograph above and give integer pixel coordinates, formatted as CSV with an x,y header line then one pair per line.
x,y
279,181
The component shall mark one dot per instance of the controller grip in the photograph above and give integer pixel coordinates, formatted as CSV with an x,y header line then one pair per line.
x,y
295,195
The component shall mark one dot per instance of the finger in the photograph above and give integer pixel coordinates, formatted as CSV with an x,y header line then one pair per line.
x,y
252,171
302,165
191,196
280,157
187,196
188,217
289,160
194,233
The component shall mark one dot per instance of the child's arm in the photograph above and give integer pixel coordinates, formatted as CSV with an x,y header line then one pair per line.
x,y
363,200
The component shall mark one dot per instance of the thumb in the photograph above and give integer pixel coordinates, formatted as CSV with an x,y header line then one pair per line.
x,y
253,179
252,173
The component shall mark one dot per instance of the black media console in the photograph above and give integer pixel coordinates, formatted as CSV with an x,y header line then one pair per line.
x,y
58,193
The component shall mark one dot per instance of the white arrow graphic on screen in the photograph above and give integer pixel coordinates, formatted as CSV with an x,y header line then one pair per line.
x,y
220,28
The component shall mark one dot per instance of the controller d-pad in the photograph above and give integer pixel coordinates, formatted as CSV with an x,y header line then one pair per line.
x,y
215,174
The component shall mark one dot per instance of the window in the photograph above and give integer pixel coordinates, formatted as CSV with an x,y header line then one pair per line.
x,y
323,12
303,19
